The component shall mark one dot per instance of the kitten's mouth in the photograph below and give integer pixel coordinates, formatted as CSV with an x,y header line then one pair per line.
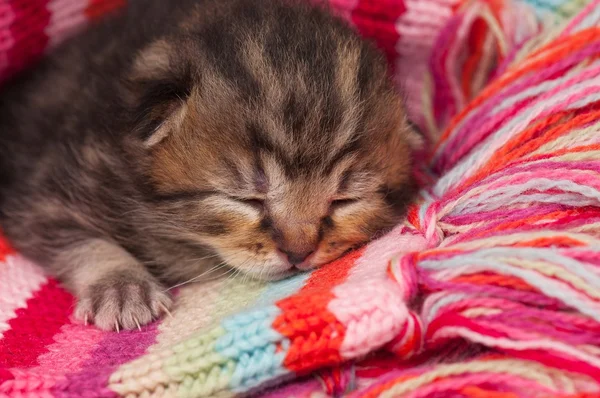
x,y
283,268
290,270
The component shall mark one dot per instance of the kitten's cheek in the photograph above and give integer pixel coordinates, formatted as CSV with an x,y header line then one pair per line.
x,y
328,252
339,242
324,257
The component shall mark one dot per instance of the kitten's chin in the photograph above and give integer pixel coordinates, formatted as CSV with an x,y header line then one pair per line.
x,y
277,275
274,273
269,269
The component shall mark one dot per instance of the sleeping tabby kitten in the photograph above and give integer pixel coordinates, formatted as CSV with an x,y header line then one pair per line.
x,y
180,135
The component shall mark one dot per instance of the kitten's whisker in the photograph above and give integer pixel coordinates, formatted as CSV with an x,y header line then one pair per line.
x,y
235,273
229,273
219,276
262,269
166,310
206,257
196,277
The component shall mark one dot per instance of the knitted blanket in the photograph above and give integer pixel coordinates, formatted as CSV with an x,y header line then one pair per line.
x,y
489,289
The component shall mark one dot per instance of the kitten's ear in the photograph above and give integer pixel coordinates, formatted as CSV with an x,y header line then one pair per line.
x,y
158,89
153,62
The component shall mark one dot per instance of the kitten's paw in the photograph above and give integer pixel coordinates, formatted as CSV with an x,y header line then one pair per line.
x,y
122,300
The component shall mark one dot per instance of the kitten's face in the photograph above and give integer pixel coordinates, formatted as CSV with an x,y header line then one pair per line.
x,y
284,145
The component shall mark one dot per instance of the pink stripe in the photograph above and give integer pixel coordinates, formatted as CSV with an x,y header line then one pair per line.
x,y
418,28
344,8
72,347
19,280
476,129
65,17
516,178
113,350
7,17
500,381
374,262
34,327
574,23
373,313
305,388
368,303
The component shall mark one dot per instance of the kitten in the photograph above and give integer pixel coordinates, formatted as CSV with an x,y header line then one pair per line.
x,y
181,135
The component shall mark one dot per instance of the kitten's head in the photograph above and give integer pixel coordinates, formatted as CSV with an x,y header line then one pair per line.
x,y
273,135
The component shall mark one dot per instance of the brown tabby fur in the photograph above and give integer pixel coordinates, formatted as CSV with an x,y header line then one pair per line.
x,y
184,134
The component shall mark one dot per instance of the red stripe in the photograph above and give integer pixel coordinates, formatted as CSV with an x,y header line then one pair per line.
x,y
556,360
31,19
5,248
34,327
333,274
314,332
98,8
376,20
5,375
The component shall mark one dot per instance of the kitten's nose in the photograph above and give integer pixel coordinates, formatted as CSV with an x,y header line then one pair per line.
x,y
296,258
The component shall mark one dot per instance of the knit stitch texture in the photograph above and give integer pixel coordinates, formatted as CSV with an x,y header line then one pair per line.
x,y
490,288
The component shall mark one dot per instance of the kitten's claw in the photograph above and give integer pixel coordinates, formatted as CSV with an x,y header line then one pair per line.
x,y
123,300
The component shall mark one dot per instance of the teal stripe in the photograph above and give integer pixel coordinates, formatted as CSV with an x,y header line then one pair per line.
x,y
556,7
251,343
258,350
275,291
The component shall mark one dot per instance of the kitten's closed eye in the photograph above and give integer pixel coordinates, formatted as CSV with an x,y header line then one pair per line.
x,y
343,202
183,196
257,203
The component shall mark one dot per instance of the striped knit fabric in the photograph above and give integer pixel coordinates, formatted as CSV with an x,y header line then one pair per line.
x,y
309,336
30,28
